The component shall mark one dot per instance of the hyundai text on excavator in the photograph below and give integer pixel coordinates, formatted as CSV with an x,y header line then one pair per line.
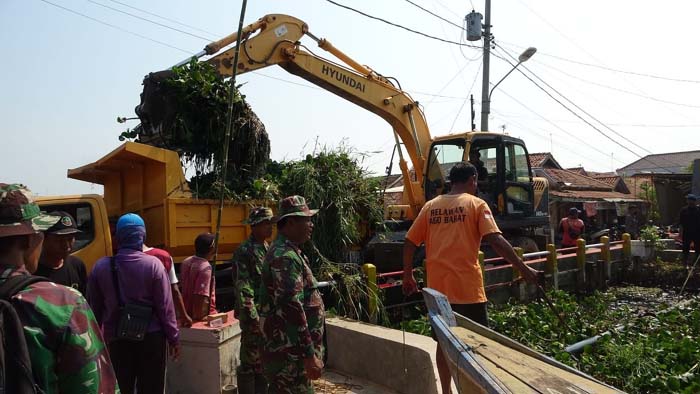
x,y
518,200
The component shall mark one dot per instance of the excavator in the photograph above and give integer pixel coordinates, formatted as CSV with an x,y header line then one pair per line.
x,y
518,200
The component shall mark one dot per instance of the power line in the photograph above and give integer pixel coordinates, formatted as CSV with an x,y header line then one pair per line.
x,y
476,75
150,21
435,15
606,68
117,27
583,119
584,142
401,26
164,18
574,104
619,89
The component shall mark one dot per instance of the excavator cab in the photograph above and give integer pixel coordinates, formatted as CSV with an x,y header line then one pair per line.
x,y
505,179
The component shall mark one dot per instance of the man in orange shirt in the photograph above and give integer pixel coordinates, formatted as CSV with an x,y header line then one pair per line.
x,y
452,226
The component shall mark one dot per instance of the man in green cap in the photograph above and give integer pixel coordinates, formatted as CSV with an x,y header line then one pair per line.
x,y
246,266
66,350
291,308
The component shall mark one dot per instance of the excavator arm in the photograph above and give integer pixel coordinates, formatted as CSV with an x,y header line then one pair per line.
x,y
275,40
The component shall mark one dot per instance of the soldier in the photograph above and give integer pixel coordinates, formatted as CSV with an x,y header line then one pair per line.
x,y
247,264
65,345
291,308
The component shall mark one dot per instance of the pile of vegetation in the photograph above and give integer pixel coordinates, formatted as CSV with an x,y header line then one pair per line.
x,y
186,109
658,351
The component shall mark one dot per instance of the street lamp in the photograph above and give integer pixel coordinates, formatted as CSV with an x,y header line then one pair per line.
x,y
486,105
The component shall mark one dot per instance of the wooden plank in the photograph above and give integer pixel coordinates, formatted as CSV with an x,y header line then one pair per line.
x,y
513,365
466,370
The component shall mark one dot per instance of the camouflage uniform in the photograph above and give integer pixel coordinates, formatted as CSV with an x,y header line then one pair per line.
x,y
291,310
247,263
66,348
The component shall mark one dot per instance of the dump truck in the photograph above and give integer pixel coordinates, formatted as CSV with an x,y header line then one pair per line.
x,y
149,181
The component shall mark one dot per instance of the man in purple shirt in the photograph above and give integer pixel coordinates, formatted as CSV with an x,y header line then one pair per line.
x,y
142,280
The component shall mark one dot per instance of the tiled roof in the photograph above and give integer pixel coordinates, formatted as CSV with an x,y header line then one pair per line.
x,y
570,180
578,170
610,180
537,160
675,162
592,195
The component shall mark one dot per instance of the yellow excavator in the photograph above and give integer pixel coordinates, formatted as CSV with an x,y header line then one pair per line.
x,y
518,200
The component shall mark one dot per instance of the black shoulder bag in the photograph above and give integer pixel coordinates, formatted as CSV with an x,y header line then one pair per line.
x,y
134,318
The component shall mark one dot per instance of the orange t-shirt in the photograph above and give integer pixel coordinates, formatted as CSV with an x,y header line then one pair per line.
x,y
451,226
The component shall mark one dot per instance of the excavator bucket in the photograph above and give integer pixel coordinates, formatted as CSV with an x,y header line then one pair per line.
x,y
157,110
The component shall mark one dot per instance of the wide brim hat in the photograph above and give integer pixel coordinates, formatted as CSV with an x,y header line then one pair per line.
x,y
19,214
258,215
293,206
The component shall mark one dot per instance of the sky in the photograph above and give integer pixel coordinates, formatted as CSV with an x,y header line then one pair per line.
x,y
624,73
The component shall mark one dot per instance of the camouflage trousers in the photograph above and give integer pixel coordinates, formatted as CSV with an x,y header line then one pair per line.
x,y
285,374
251,344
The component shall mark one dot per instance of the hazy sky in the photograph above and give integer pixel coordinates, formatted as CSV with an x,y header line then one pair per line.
x,y
65,78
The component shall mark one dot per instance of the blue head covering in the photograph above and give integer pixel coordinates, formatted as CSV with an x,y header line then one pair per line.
x,y
131,232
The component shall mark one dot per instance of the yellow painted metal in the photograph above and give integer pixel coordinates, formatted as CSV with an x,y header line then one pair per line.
x,y
627,246
552,265
370,271
516,272
581,259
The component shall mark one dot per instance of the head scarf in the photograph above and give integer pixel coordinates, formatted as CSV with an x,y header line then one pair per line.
x,y
131,237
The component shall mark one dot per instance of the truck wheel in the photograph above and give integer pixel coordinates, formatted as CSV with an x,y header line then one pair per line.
x,y
528,245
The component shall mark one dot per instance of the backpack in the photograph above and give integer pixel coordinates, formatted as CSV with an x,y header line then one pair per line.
x,y
15,365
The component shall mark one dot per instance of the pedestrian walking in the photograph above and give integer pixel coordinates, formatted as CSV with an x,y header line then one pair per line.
x,y
198,287
130,294
291,309
690,228
246,268
452,227
56,262
59,342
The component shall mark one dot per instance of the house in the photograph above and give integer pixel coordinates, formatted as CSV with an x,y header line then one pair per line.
x,y
542,160
662,163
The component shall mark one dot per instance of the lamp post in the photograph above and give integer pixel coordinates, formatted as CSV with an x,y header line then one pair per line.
x,y
486,104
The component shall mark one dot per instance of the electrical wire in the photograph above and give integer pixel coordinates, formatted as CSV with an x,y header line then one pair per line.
x,y
595,119
117,27
149,21
435,15
476,76
584,119
644,96
165,18
401,26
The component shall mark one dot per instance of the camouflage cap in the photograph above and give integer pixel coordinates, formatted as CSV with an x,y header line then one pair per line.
x,y
19,215
293,206
258,215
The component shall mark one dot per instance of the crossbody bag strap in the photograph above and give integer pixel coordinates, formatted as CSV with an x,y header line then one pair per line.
x,y
115,280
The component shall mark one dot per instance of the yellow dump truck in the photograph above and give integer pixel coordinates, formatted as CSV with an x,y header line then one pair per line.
x,y
148,181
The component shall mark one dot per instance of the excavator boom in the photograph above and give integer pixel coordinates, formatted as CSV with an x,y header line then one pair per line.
x,y
275,40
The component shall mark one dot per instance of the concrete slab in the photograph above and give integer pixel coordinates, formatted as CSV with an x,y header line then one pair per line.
x,y
377,354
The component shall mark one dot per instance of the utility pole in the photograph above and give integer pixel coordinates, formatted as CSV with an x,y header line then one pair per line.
x,y
471,98
485,102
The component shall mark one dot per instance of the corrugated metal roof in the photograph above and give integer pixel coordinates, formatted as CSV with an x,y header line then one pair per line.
x,y
674,162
